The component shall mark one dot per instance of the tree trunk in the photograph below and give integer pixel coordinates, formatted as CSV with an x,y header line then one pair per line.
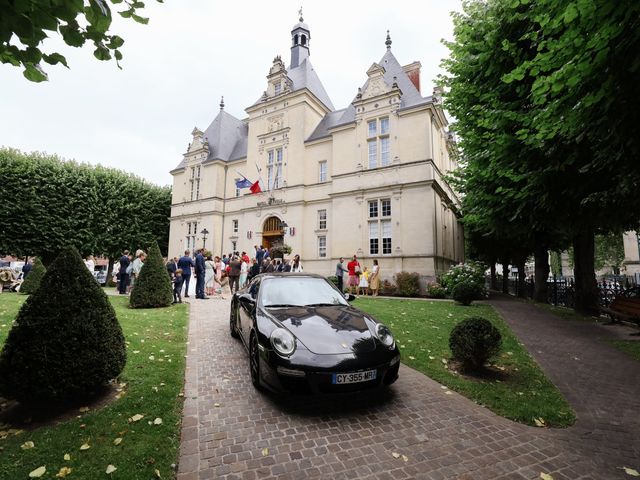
x,y
494,278
109,270
542,274
586,296
505,276
522,293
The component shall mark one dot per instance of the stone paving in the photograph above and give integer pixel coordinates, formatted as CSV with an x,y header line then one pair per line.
x,y
231,431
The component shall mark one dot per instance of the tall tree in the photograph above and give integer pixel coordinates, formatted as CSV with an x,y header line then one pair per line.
x,y
25,24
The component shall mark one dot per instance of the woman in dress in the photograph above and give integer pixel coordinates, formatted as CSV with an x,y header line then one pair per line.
x,y
244,271
363,286
136,267
374,280
209,274
217,287
296,265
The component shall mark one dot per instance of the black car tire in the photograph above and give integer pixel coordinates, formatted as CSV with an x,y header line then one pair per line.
x,y
254,362
232,322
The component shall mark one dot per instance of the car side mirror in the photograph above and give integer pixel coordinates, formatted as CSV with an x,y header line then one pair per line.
x,y
349,298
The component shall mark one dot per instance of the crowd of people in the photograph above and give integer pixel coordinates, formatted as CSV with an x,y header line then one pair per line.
x,y
217,276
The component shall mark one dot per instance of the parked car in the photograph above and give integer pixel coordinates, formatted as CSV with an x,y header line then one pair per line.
x,y
301,334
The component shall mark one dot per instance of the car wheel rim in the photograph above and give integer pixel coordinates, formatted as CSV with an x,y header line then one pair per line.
x,y
254,360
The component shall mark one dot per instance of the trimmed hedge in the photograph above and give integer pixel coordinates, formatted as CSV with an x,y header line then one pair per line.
x,y
66,342
474,341
32,282
408,284
466,292
152,288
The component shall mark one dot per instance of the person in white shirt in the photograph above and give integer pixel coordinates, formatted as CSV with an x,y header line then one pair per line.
x,y
296,265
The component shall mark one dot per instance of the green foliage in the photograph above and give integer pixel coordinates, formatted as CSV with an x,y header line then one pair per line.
x,y
280,251
556,263
152,288
609,251
408,284
474,341
100,211
469,272
388,288
435,290
32,282
466,292
66,342
25,25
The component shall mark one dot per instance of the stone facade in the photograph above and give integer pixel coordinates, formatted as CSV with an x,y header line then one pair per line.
x,y
367,179
631,253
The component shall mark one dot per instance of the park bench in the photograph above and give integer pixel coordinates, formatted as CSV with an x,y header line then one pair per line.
x,y
624,308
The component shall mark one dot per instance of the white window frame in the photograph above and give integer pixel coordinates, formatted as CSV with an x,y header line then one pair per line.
x,y
277,88
372,128
270,158
374,237
384,121
380,226
385,151
322,246
378,142
322,171
387,247
322,219
279,160
372,153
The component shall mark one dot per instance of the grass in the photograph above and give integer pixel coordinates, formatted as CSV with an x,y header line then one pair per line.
x,y
422,328
631,347
153,389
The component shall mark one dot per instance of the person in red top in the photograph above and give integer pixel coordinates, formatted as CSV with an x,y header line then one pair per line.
x,y
245,258
354,274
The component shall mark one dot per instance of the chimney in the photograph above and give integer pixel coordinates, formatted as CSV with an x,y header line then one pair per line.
x,y
413,72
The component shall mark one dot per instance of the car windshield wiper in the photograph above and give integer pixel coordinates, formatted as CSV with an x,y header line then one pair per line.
x,y
277,305
323,305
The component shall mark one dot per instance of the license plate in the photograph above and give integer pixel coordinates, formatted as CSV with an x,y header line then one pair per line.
x,y
355,377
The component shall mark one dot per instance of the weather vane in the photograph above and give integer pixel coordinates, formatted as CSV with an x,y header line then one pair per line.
x,y
300,13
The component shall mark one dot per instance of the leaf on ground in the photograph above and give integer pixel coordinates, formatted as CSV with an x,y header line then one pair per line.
x,y
136,418
157,421
38,472
444,361
84,409
152,358
27,445
67,457
630,471
411,357
395,454
405,458
117,441
64,471
265,452
545,476
216,404
157,472
539,422
85,446
111,469
431,357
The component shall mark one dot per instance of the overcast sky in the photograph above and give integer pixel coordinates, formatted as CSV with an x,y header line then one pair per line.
x,y
176,68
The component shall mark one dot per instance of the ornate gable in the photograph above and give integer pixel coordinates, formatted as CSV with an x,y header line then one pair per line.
x,y
375,85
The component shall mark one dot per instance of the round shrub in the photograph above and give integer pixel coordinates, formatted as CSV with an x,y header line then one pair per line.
x,y
474,341
32,282
152,288
408,284
435,290
66,342
470,271
466,292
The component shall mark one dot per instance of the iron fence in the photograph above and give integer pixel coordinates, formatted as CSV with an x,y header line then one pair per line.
x,y
561,290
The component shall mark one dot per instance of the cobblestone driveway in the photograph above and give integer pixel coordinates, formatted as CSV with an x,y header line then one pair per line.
x,y
230,431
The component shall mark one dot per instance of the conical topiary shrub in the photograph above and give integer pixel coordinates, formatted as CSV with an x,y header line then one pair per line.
x,y
32,282
66,342
152,288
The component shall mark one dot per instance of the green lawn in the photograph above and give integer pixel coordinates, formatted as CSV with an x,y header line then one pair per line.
x,y
422,329
153,380
632,347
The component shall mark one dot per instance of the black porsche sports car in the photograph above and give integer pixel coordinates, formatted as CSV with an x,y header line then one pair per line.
x,y
302,335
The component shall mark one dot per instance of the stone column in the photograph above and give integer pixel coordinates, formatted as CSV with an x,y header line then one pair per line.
x,y
631,252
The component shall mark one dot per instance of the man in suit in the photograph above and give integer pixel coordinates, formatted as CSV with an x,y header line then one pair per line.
x,y
185,264
200,271
234,273
122,273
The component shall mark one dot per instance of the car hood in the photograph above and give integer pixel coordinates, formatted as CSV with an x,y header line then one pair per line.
x,y
326,330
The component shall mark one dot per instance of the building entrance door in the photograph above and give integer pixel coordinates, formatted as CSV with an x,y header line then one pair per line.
x,y
272,234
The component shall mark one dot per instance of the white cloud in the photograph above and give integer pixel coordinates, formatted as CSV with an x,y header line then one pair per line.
x,y
176,68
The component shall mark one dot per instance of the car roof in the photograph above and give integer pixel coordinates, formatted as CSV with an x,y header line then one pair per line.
x,y
289,274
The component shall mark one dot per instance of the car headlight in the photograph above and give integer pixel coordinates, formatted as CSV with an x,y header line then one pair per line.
x,y
384,335
283,341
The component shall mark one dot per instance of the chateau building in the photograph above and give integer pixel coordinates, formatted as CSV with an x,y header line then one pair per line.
x,y
367,179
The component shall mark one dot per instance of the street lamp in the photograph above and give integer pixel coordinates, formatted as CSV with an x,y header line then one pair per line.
x,y
283,226
204,234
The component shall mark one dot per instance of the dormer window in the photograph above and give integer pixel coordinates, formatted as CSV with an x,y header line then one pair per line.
x,y
277,88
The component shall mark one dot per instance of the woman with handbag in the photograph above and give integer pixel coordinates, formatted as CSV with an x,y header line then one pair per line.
x,y
353,267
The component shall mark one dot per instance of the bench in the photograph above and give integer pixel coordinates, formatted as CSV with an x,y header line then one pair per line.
x,y
624,308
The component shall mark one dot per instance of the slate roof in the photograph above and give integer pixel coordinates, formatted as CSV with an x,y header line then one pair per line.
x,y
304,76
227,137
411,97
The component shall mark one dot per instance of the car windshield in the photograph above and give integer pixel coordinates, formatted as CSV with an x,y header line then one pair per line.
x,y
299,292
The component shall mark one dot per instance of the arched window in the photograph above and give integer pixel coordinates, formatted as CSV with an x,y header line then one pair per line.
x,y
295,39
304,40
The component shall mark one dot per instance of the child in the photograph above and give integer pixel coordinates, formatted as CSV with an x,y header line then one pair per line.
x,y
363,285
178,279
